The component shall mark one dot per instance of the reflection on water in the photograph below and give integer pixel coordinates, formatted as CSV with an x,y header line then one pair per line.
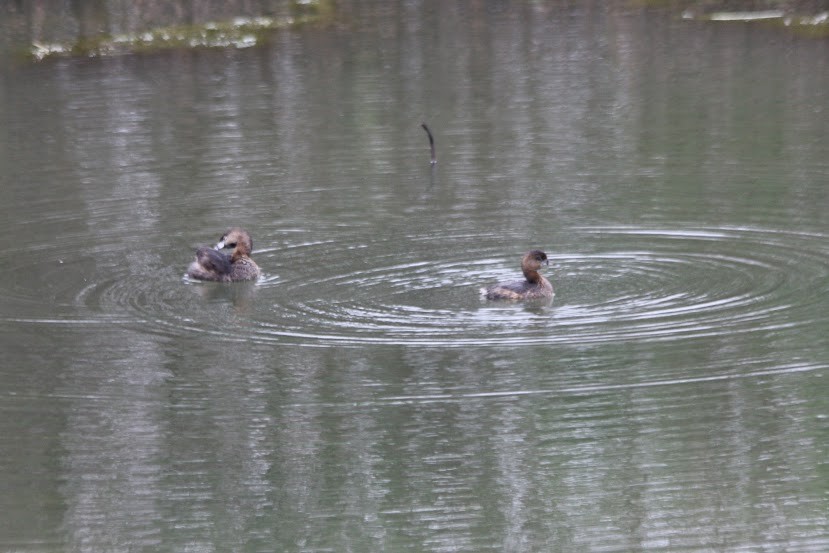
x,y
361,396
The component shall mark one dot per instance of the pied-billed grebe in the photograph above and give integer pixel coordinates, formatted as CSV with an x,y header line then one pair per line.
x,y
213,264
534,287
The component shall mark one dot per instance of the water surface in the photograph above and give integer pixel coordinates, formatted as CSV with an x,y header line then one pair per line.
x,y
361,396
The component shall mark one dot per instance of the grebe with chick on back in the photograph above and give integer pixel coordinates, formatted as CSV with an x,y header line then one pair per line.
x,y
214,265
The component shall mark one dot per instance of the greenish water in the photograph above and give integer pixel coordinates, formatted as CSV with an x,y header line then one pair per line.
x,y
361,396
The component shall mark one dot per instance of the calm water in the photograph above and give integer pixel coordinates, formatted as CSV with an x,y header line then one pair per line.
x,y
361,397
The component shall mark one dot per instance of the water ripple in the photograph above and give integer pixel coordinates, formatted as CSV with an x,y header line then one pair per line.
x,y
651,285
630,283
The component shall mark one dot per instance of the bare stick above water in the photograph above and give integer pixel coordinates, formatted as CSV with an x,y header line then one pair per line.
x,y
431,142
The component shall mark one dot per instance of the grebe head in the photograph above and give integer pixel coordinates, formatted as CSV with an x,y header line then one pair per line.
x,y
533,260
238,240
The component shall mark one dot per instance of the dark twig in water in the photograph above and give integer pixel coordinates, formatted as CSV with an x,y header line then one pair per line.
x,y
431,142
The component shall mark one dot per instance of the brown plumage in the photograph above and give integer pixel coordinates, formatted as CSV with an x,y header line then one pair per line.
x,y
534,285
214,265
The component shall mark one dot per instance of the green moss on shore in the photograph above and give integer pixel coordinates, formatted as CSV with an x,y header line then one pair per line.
x,y
240,32
785,15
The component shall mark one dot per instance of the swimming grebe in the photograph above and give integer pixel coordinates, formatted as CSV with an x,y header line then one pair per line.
x,y
534,287
212,264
